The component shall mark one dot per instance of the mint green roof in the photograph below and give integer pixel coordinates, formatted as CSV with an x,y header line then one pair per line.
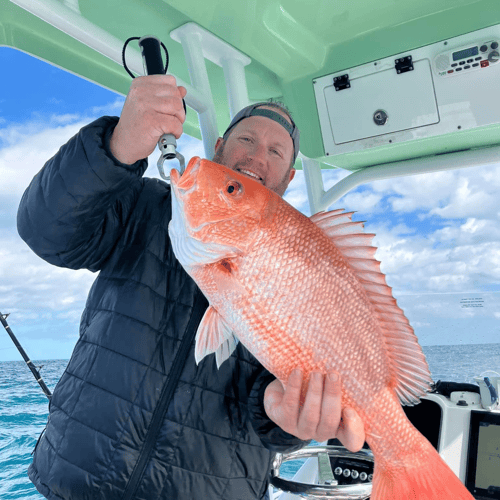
x,y
290,42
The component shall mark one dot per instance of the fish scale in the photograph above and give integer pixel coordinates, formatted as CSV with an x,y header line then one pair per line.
x,y
307,293
282,360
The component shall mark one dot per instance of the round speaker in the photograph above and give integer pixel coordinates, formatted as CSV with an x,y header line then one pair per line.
x,y
442,62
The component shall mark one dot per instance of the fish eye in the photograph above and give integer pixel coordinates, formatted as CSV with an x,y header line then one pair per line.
x,y
233,187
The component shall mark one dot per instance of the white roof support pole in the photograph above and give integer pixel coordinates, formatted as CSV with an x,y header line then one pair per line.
x,y
73,24
320,200
236,85
198,43
192,43
314,183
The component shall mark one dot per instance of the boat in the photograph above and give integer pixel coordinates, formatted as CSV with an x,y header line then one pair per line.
x,y
380,89
461,420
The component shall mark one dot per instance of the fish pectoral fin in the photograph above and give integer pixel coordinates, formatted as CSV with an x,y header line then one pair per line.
x,y
225,350
214,335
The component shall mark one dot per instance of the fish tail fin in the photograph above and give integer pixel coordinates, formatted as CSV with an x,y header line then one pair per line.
x,y
431,480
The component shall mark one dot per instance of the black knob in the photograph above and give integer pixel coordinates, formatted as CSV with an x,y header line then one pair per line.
x,y
494,45
483,48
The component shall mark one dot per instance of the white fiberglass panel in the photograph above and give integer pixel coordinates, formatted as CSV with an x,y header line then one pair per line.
x,y
407,99
458,76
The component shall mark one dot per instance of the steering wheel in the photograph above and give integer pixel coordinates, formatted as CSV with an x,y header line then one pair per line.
x,y
328,486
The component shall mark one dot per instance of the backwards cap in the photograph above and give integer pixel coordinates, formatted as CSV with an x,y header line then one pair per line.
x,y
254,110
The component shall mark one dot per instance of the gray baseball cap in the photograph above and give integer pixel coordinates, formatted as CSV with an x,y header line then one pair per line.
x,y
253,110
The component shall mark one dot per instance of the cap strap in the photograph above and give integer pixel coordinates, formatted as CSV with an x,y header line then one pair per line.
x,y
273,116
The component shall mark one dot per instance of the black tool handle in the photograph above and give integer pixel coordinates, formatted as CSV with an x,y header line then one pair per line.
x,y
151,55
151,58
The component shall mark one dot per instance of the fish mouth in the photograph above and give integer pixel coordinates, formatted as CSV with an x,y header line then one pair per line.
x,y
187,181
249,173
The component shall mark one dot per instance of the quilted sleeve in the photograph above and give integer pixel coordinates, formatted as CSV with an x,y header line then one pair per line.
x,y
76,207
271,435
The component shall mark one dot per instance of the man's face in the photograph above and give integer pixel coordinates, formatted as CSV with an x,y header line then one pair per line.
x,y
260,148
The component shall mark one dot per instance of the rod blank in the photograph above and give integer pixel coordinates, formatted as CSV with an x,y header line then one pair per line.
x,y
31,366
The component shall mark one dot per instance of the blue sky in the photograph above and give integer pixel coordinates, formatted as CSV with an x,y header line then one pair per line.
x,y
438,234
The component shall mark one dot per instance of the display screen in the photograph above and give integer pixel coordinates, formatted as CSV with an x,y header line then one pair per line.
x,y
461,54
483,476
488,456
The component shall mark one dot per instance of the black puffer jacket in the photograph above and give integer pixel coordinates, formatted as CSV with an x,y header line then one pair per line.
x,y
133,416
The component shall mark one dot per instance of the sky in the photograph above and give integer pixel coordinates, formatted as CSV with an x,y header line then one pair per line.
x,y
438,235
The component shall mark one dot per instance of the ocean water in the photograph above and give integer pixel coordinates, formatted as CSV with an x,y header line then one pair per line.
x,y
24,407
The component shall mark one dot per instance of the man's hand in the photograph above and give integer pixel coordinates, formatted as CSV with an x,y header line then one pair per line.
x,y
153,107
320,416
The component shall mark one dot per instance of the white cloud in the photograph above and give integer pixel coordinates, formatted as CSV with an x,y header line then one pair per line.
x,y
362,201
27,149
296,193
30,284
458,250
448,260
472,232
466,192
472,197
112,109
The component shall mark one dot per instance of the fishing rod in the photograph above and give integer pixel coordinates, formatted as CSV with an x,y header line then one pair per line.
x,y
31,366
153,65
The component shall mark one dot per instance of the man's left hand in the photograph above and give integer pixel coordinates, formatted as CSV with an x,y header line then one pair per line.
x,y
319,418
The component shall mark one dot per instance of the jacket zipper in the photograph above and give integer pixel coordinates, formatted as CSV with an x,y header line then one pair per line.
x,y
199,308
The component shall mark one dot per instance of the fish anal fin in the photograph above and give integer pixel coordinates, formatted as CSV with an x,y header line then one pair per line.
x,y
410,373
214,335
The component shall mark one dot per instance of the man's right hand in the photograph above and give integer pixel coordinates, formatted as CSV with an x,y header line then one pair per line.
x,y
153,107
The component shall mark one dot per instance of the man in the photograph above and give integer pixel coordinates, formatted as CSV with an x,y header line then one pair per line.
x,y
133,416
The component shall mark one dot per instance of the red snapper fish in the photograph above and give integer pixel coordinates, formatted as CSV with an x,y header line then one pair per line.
x,y
307,293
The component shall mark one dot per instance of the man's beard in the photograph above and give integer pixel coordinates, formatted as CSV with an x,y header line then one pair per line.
x,y
220,159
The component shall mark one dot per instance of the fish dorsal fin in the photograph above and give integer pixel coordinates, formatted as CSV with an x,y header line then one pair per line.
x,y
214,335
409,369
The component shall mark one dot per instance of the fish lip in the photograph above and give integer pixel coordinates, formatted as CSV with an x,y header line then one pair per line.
x,y
188,180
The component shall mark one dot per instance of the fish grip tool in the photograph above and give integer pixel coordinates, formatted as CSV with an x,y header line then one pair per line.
x,y
153,65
